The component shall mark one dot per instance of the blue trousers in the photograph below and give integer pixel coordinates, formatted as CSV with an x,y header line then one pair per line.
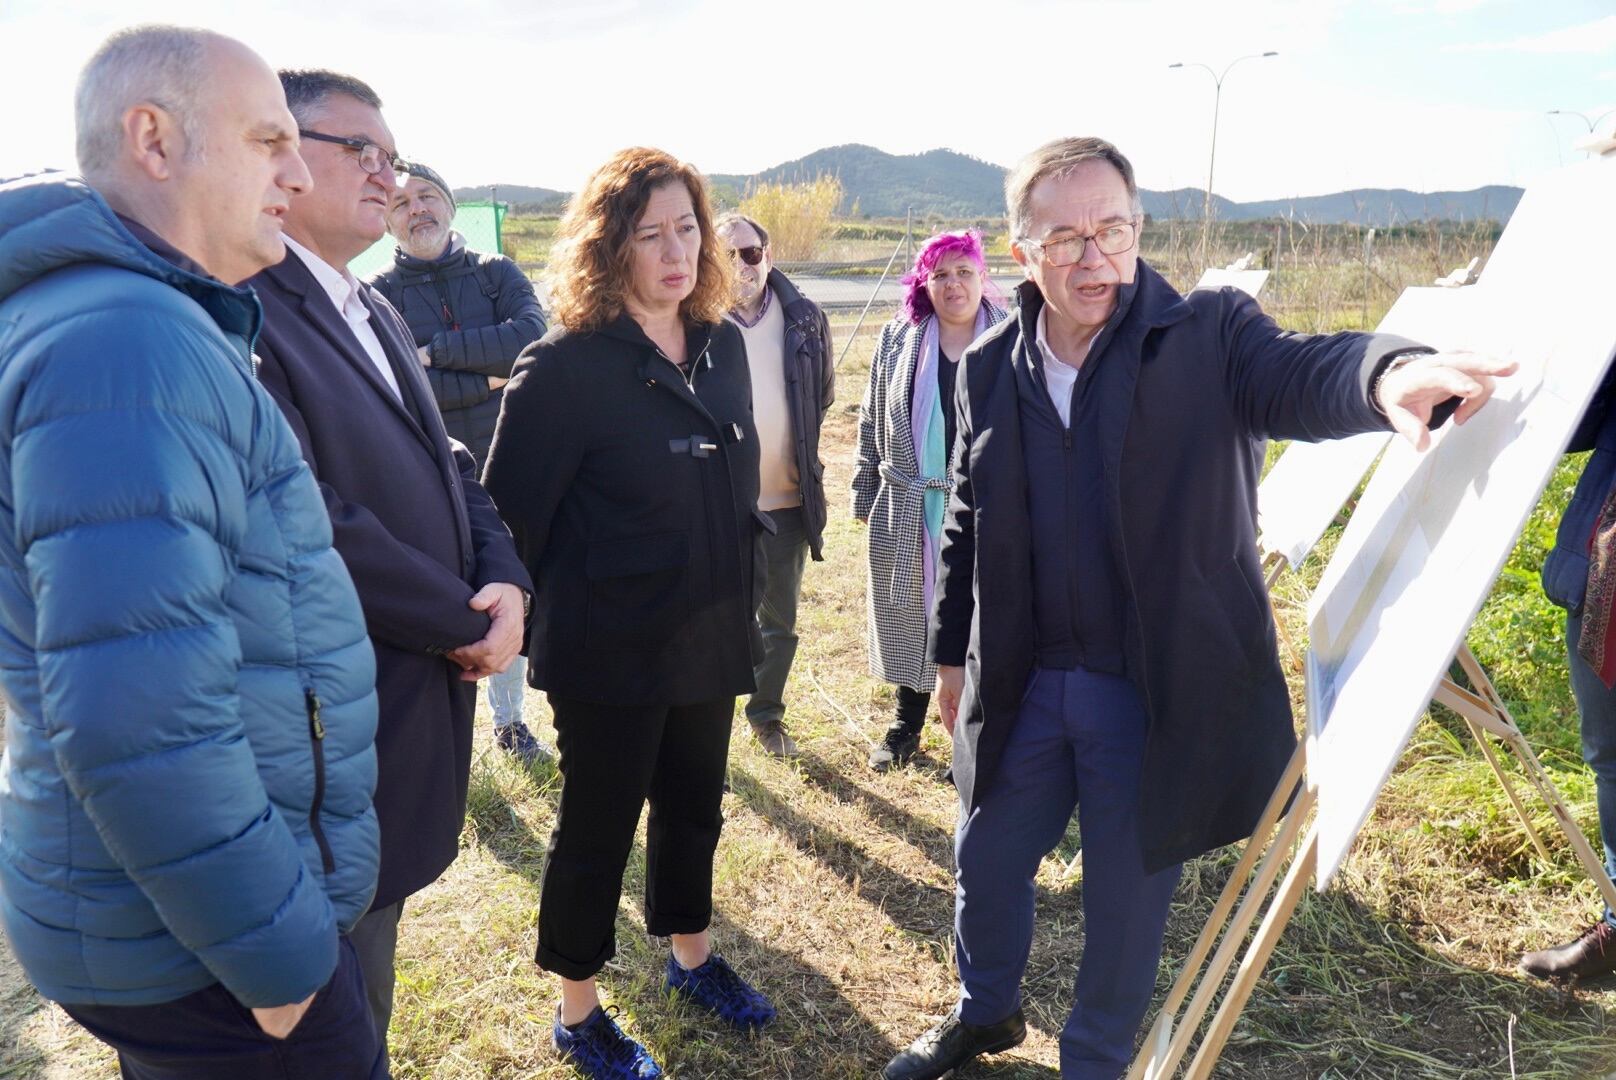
x,y
209,1035
1078,742
1596,705
505,692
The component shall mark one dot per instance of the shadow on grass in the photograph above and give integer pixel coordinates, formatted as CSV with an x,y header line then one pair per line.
x,y
937,844
1350,992
19,1057
820,1032
912,905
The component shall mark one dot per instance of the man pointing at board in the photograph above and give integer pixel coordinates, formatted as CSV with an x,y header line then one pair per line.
x,y
1102,632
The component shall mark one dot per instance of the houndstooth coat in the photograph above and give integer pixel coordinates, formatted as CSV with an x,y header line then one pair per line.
x,y
889,495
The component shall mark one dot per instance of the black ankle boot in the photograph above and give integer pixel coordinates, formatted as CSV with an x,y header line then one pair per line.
x,y
902,739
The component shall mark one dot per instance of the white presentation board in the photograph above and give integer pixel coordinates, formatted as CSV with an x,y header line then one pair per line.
x,y
1249,282
1433,530
1310,482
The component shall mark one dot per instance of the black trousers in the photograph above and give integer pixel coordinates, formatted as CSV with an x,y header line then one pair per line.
x,y
210,1035
613,759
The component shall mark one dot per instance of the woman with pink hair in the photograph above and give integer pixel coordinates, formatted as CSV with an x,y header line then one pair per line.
x,y
901,479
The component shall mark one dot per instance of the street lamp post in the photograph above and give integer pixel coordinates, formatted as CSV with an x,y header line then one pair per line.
x,y
1212,160
1592,124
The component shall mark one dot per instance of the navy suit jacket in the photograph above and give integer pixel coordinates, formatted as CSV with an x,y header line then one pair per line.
x,y
419,536
1201,377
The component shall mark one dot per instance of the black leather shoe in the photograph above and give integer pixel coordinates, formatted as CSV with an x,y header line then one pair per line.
x,y
1591,955
951,1044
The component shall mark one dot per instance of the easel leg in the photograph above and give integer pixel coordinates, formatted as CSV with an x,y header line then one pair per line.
x,y
1167,1041
1262,947
1484,710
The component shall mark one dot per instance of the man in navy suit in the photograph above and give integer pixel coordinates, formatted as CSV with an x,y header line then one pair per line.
x,y
1102,636
442,588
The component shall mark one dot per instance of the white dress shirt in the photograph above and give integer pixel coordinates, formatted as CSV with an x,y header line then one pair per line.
x,y
1059,374
343,290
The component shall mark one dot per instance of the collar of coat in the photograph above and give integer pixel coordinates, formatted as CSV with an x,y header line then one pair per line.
x,y
788,293
1149,302
452,251
698,336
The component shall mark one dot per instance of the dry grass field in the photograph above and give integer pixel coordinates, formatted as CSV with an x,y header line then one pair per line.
x,y
834,887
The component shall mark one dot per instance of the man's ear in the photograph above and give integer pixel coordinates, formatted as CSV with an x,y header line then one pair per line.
x,y
152,139
1018,254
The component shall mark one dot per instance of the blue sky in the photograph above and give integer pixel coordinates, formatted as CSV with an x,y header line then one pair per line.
x,y
1423,94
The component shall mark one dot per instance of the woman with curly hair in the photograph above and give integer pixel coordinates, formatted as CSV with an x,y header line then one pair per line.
x,y
901,476
626,464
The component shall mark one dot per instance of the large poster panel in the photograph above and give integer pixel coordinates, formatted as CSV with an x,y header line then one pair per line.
x,y
1433,530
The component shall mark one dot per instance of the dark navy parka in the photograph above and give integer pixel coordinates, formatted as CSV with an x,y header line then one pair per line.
x,y
1195,381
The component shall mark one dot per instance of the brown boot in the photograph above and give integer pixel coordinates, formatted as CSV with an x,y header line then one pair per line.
x,y
1591,955
775,740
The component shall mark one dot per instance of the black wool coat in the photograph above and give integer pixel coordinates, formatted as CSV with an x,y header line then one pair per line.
x,y
1203,376
632,493
419,536
474,312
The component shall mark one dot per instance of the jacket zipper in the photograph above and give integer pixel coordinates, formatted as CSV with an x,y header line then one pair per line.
x,y
688,376
706,483
317,737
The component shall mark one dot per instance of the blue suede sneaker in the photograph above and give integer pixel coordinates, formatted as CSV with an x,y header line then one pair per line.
x,y
600,1050
715,987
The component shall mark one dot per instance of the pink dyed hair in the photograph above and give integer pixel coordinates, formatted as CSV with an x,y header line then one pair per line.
x,y
916,302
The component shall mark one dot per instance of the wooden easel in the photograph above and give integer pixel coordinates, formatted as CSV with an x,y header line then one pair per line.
x,y
1279,843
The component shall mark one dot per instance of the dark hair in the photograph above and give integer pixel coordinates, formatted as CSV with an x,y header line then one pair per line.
x,y
308,88
589,263
731,218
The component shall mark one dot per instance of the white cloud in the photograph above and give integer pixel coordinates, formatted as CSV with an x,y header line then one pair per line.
x,y
1593,38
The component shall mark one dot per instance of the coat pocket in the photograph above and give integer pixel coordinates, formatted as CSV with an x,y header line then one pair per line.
x,y
1246,608
639,591
311,702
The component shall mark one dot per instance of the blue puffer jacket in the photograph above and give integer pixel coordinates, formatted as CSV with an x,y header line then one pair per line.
x,y
185,791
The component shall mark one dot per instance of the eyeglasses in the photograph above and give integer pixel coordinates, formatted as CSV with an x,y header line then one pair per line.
x,y
371,156
751,256
1111,240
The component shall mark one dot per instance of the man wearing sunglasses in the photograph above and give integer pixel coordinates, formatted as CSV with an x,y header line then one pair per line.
x,y
1102,634
438,577
793,384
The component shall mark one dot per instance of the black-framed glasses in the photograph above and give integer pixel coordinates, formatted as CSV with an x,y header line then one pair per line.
x,y
751,256
371,156
1066,250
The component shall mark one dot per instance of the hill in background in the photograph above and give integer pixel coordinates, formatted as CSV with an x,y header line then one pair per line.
x,y
948,184
533,200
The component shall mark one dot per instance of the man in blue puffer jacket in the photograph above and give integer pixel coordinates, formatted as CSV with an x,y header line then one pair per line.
x,y
186,828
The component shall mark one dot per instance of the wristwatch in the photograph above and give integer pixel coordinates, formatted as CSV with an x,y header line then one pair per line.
x,y
1396,363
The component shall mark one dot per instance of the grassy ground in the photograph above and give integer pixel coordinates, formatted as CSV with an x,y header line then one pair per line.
x,y
834,893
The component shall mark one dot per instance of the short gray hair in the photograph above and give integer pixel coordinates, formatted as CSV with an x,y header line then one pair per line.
x,y
1056,159
307,91
163,66
731,218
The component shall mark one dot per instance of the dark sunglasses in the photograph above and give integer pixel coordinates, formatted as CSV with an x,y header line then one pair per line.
x,y
751,256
